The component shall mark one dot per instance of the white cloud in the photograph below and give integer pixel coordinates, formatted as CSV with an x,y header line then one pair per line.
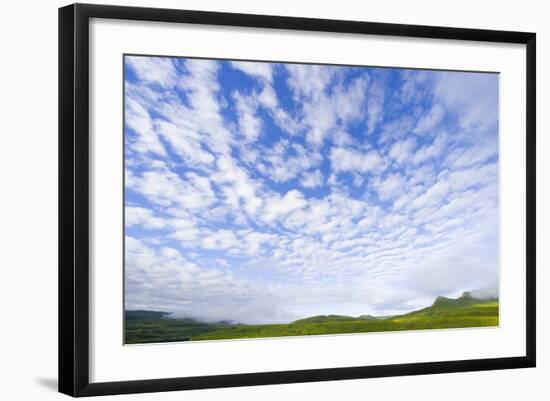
x,y
390,187
319,114
327,102
473,176
165,280
401,151
432,150
220,239
250,125
390,221
452,268
349,102
166,188
194,129
222,262
285,161
254,241
186,143
423,175
396,129
375,105
345,159
155,70
139,120
472,97
312,179
268,99
310,84
187,236
204,110
280,206
258,70
432,196
341,138
309,80
411,89
139,216
237,185
429,120
464,157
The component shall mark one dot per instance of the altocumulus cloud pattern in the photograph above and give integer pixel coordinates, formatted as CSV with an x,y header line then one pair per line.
x,y
266,192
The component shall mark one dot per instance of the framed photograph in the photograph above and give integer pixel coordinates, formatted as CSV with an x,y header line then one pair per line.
x,y
250,199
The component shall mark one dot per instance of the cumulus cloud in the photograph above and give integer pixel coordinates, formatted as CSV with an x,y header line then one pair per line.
x,y
413,86
282,205
236,185
431,150
250,124
389,187
139,216
309,80
396,129
375,105
468,156
139,120
286,161
344,159
432,196
401,151
429,120
156,70
327,103
168,189
186,143
258,70
349,101
312,179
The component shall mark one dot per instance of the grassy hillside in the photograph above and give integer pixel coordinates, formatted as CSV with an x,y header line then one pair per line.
x,y
444,313
334,318
155,327
144,315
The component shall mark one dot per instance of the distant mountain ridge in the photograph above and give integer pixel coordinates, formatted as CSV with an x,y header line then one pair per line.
x,y
333,318
464,311
145,315
464,299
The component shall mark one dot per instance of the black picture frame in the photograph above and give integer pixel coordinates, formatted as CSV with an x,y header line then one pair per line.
x,y
74,198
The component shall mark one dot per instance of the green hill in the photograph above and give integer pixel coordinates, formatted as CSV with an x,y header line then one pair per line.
x,y
464,311
144,315
334,318
325,318
154,327
444,313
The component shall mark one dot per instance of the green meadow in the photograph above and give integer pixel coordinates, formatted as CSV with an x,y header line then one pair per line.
x,y
444,313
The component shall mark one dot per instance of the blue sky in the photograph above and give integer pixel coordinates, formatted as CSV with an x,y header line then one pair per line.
x,y
266,192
